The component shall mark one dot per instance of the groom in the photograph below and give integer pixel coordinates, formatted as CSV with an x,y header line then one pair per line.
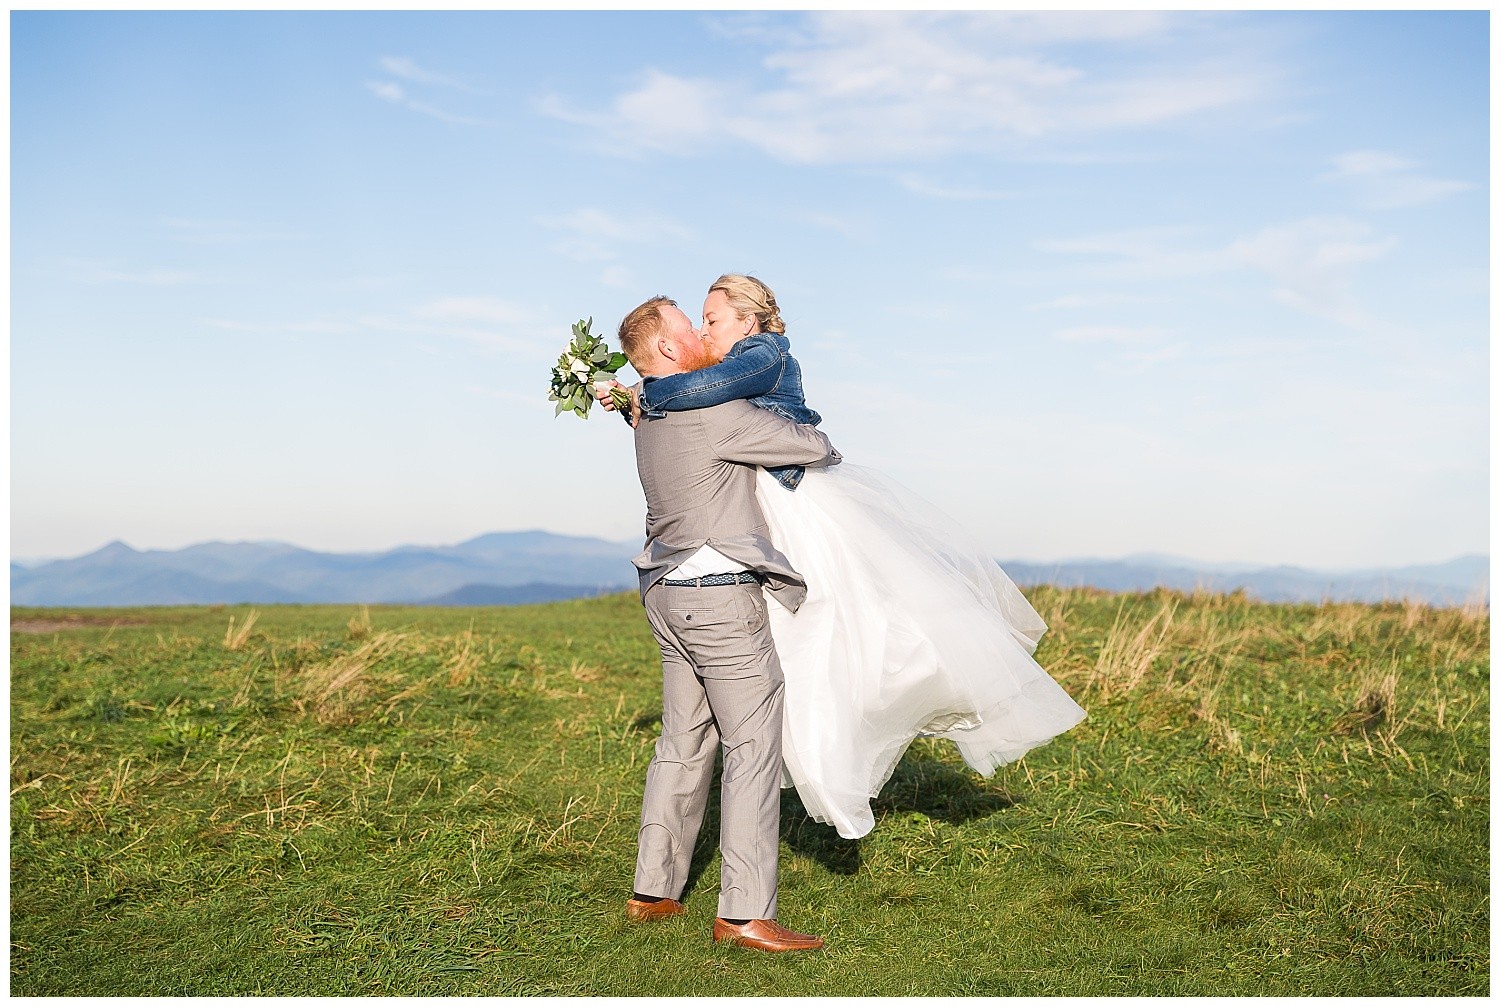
x,y
707,555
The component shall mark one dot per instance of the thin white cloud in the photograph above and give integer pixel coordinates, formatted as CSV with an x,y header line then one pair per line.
x,y
590,234
1133,347
490,322
1368,162
388,90
665,112
396,94
407,69
445,116
486,321
1383,180
1311,262
756,26
936,190
393,93
892,86
1144,253
483,310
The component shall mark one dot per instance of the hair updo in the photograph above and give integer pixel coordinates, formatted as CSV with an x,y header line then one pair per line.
x,y
748,296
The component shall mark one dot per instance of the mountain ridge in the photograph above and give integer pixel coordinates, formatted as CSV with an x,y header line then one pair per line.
x,y
235,572
520,567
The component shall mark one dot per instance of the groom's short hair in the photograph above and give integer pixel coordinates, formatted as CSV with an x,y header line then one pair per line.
x,y
642,325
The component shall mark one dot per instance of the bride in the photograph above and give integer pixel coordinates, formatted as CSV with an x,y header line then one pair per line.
x,y
909,628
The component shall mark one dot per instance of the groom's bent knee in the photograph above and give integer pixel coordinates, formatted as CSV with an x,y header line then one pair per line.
x,y
687,749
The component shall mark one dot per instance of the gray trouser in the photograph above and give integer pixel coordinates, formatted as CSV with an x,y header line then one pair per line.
x,y
721,684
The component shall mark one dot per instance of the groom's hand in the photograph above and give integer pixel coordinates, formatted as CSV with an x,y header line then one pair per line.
x,y
602,394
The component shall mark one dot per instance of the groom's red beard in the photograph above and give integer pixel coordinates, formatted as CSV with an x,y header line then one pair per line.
x,y
695,358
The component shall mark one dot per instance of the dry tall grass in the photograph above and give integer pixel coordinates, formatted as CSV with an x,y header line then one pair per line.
x,y
464,660
1375,711
1127,656
333,690
1177,657
234,639
359,625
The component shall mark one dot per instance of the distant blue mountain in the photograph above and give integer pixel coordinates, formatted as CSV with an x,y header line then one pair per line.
x,y
524,594
509,568
531,566
1455,582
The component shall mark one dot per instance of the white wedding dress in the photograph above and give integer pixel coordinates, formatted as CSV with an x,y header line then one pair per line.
x,y
909,628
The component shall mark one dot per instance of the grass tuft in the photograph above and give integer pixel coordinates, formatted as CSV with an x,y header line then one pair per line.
x,y
334,690
359,625
234,639
1128,654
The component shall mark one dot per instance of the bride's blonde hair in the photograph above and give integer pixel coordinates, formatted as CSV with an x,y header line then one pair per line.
x,y
748,296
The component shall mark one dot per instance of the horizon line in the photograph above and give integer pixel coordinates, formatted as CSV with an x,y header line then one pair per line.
x,y
1147,555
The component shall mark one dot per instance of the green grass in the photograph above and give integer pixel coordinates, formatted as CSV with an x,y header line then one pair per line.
x,y
1265,800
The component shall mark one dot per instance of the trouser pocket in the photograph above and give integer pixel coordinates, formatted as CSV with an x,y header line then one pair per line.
x,y
722,630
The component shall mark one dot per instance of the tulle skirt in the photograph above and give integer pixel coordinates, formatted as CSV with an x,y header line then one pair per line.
x,y
909,628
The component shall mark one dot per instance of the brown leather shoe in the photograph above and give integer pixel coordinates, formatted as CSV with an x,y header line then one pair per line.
x,y
640,911
765,935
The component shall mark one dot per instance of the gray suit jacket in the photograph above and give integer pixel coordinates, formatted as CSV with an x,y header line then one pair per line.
x,y
697,468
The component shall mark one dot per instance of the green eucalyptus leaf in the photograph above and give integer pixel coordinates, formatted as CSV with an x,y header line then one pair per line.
x,y
566,389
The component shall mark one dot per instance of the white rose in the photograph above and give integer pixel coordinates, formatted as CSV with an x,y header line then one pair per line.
x,y
581,369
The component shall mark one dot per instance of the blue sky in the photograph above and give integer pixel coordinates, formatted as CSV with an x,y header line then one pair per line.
x,y
1210,284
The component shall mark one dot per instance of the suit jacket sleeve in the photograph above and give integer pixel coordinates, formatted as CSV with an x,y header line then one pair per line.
x,y
758,437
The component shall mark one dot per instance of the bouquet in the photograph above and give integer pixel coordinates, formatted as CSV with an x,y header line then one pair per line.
x,y
586,364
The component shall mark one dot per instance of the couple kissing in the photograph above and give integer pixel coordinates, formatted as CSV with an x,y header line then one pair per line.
x,y
813,616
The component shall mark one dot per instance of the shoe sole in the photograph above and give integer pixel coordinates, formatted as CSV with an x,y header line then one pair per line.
x,y
636,916
754,946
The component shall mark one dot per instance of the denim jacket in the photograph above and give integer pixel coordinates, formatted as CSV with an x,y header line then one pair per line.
x,y
758,368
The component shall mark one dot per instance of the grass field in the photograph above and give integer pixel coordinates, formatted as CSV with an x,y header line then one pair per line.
x,y
329,800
